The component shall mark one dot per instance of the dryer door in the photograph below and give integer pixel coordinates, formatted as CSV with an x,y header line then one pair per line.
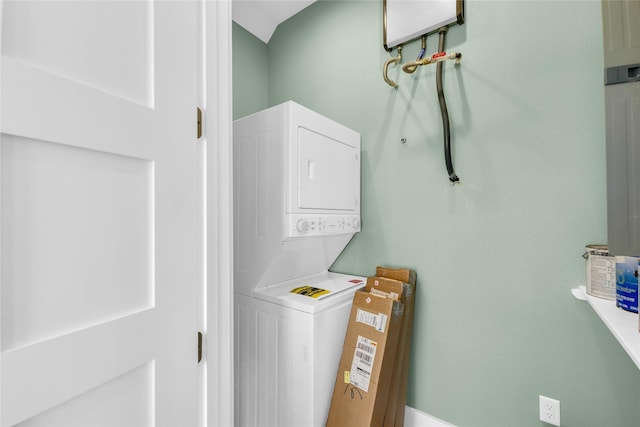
x,y
328,173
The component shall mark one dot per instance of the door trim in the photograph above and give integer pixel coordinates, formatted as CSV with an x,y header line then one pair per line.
x,y
219,206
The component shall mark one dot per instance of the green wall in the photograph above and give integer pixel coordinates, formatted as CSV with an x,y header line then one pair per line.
x,y
496,256
250,73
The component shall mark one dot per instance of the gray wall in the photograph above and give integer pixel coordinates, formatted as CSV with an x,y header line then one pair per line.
x,y
496,256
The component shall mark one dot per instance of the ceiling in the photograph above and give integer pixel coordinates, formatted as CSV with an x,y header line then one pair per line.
x,y
261,17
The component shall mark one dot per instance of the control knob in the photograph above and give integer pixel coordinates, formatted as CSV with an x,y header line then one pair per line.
x,y
303,226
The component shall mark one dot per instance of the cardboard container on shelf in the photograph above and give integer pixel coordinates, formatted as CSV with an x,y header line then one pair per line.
x,y
365,373
395,410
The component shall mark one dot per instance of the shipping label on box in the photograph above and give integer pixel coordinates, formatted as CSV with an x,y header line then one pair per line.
x,y
362,364
376,321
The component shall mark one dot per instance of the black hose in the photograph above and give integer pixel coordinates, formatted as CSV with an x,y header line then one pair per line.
x,y
445,114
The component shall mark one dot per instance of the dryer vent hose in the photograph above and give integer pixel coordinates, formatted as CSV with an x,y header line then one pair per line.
x,y
445,114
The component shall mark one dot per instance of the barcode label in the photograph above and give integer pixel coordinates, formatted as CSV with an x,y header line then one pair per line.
x,y
362,363
364,358
377,321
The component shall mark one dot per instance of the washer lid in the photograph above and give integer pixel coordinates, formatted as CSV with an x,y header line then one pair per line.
x,y
312,293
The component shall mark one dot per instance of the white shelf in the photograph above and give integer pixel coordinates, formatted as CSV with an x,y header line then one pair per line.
x,y
622,324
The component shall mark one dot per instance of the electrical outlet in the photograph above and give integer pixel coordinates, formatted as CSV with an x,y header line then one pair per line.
x,y
549,410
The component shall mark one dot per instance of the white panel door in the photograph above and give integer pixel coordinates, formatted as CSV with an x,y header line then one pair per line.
x,y
100,213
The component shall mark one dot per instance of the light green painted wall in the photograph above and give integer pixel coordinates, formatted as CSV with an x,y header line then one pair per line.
x,y
496,256
250,73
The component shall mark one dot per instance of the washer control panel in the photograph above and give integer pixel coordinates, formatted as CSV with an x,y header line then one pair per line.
x,y
301,225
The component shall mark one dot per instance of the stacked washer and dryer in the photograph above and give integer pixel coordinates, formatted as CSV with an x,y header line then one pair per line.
x,y
297,205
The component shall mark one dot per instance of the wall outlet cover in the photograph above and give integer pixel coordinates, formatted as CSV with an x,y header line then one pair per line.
x,y
549,410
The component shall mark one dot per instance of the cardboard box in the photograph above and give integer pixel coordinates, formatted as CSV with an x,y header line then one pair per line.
x,y
395,410
386,288
401,274
362,385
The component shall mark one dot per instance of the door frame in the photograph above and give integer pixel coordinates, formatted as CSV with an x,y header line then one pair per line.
x,y
219,207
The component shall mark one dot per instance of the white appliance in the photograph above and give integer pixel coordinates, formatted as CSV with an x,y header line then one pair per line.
x,y
622,96
297,205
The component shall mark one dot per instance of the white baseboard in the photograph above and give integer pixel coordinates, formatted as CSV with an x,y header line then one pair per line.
x,y
415,418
